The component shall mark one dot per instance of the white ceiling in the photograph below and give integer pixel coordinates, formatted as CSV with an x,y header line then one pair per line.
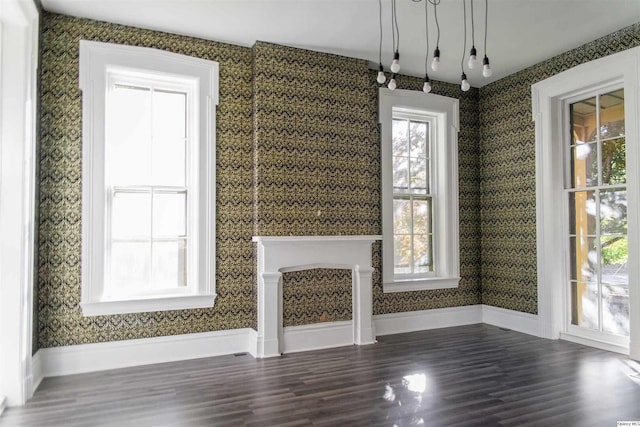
x,y
520,32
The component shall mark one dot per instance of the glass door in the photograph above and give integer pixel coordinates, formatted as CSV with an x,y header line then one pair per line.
x,y
596,207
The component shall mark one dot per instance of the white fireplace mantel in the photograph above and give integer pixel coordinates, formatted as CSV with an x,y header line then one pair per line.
x,y
281,254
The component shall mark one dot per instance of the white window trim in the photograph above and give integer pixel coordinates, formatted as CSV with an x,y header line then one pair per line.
x,y
95,59
444,189
548,97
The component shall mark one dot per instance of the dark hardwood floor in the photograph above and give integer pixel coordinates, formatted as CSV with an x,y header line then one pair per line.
x,y
476,375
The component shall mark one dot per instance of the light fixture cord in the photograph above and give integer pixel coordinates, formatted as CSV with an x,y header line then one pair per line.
x,y
380,45
426,29
486,20
435,15
395,20
464,43
473,28
393,31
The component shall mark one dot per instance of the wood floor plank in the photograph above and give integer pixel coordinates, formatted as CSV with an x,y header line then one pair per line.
x,y
475,375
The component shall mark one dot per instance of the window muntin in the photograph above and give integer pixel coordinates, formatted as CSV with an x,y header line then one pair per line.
x,y
412,199
597,206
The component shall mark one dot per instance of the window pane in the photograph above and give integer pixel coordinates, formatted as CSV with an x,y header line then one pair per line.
x,y
169,162
169,214
584,258
582,213
584,165
401,216
131,215
130,266
614,255
612,114
583,120
419,174
418,138
584,304
169,114
614,164
400,173
615,309
422,216
402,254
422,253
400,141
613,212
169,265
128,136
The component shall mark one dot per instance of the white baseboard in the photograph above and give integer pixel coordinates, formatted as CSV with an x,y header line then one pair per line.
x,y
3,404
317,336
56,361
616,348
81,358
515,320
409,321
36,371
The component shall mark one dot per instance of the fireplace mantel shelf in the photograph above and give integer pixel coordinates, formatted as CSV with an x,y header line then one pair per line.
x,y
279,254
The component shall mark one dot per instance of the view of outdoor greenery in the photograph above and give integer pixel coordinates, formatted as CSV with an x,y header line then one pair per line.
x,y
598,215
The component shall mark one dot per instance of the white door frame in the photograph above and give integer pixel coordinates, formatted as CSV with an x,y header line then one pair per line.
x,y
18,100
547,98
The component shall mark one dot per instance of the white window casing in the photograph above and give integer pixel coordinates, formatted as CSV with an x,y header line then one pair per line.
x,y
442,114
549,98
100,65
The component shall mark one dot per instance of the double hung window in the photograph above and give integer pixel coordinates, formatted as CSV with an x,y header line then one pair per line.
x,y
420,247
148,179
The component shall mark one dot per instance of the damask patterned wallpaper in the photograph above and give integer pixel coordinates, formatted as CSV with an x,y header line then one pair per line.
x,y
60,318
307,136
508,208
317,171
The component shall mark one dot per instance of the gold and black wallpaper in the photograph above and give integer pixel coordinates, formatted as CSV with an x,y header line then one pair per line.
x,y
317,172
60,321
297,154
508,208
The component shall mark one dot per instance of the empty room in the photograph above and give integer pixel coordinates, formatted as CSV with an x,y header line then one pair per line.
x,y
319,212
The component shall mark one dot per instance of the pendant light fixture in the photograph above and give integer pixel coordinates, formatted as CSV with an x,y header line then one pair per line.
x,y
464,83
392,83
486,67
435,64
472,54
472,62
381,77
426,87
395,64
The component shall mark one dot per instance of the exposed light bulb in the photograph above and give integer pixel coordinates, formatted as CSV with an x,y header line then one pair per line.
x,y
395,64
381,77
435,64
464,85
486,67
426,87
472,58
392,82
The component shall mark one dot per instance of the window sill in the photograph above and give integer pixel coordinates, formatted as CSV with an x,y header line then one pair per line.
x,y
186,302
421,284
